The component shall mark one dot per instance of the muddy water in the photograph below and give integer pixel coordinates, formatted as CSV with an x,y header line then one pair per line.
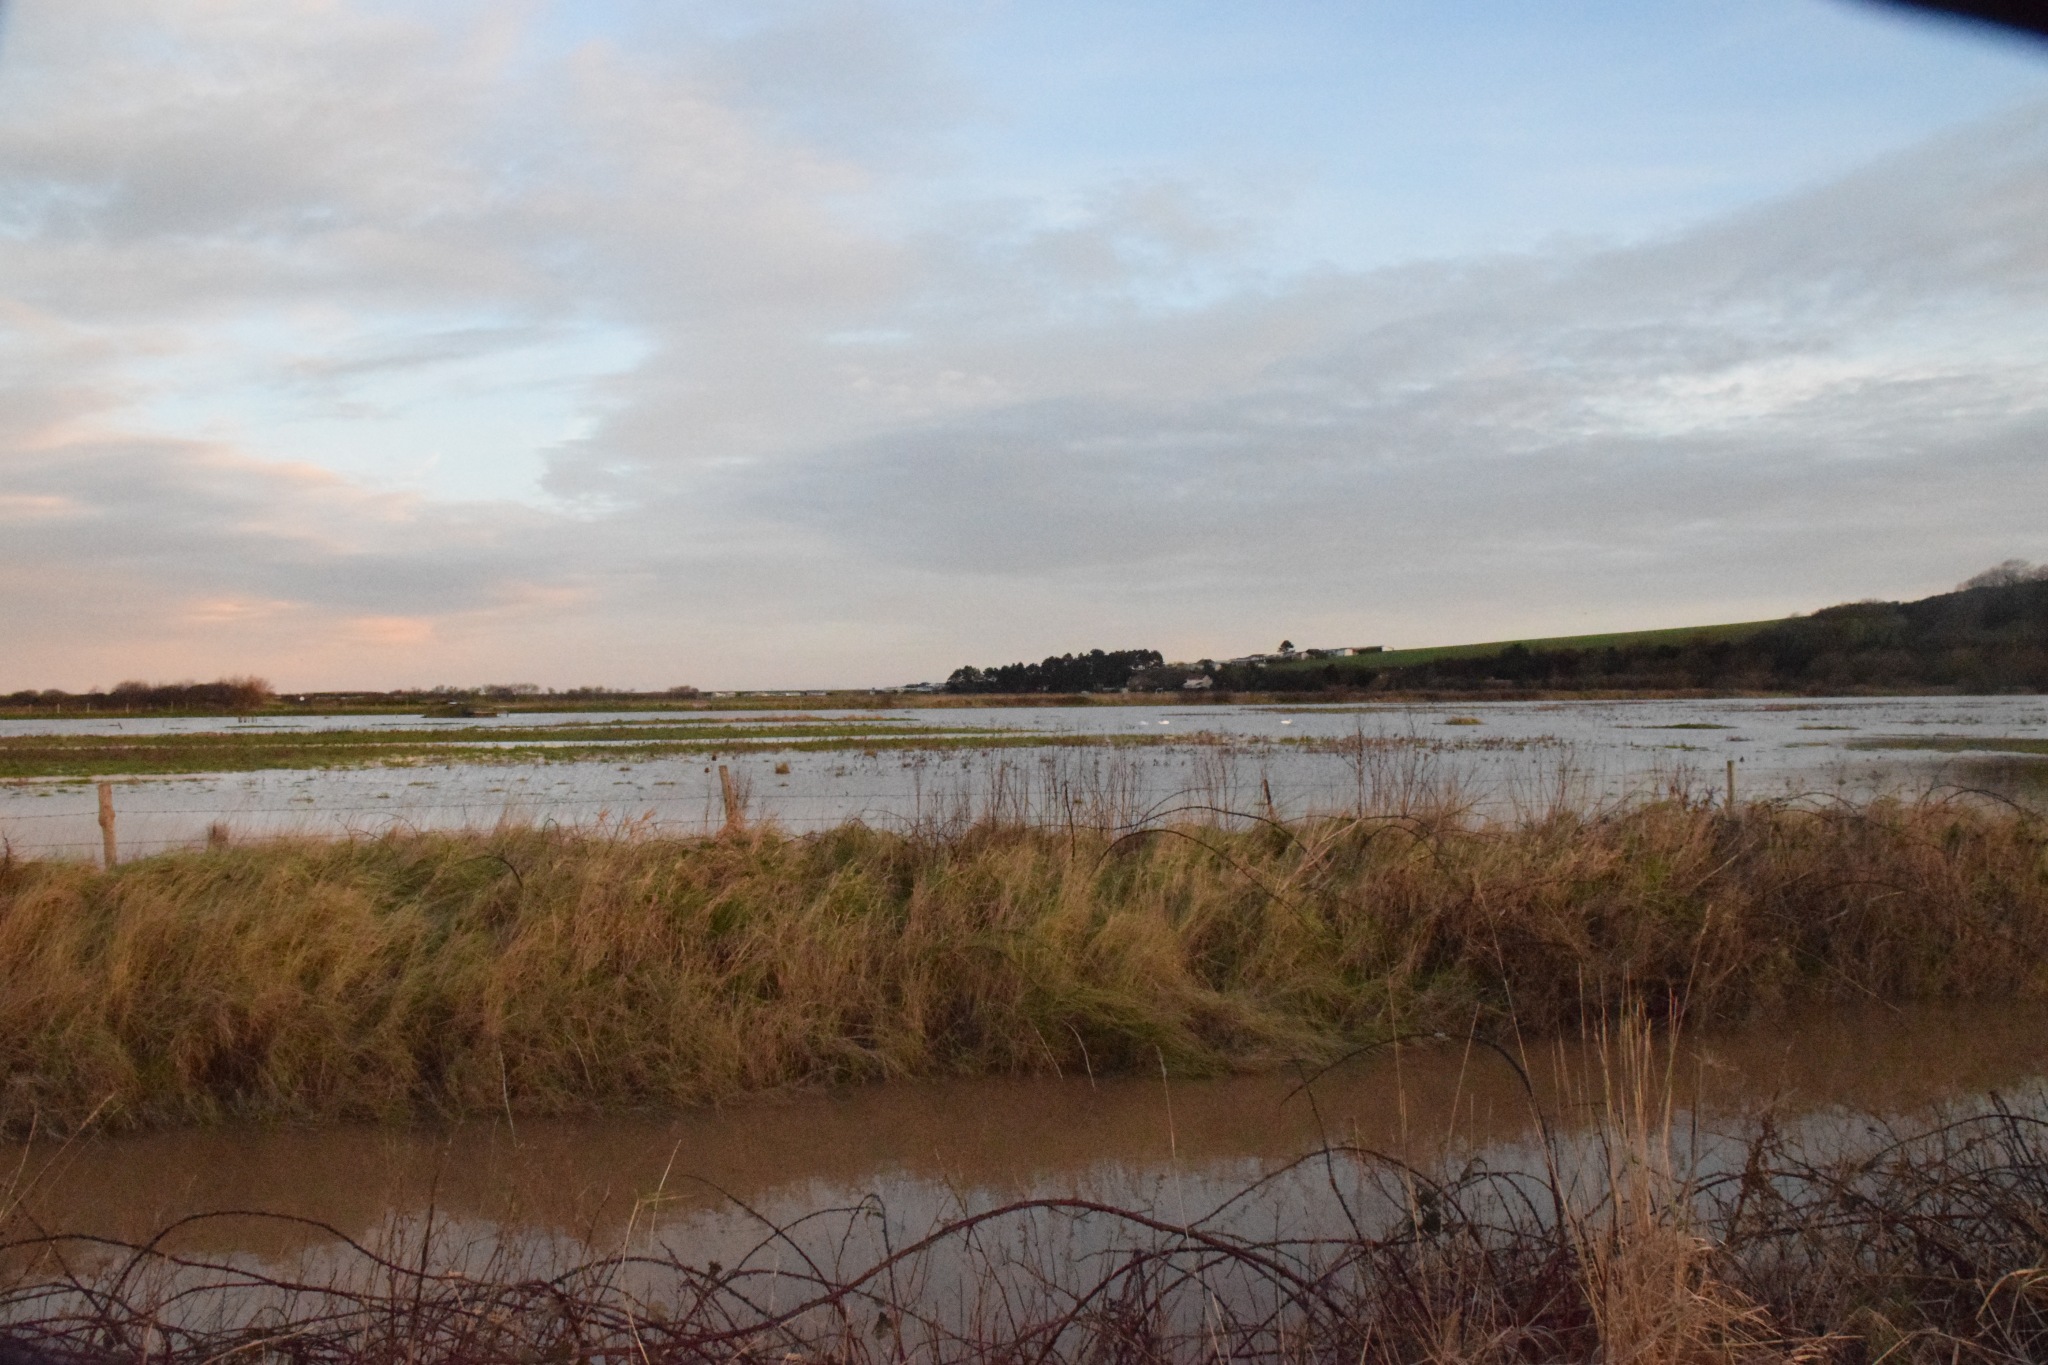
x,y
704,1185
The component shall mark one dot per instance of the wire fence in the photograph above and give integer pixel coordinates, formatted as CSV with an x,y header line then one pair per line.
x,y
199,825
1109,789
799,792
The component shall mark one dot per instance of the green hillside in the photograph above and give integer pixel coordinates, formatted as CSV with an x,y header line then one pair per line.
x,y
1992,637
1402,658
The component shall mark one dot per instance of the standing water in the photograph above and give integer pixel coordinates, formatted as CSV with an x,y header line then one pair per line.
x,y
710,1184
1115,765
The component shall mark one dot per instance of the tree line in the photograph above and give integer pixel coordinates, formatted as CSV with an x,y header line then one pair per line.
x,y
223,694
1096,671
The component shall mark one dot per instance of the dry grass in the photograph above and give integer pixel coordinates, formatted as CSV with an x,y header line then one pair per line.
x,y
1649,1279
549,971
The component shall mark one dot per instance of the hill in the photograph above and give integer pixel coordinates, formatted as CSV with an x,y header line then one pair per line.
x,y
1987,638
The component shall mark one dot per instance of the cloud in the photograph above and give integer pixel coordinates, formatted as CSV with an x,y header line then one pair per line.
x,y
735,389
1728,368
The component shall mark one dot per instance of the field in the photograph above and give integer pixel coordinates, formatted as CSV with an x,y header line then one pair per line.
x,y
1401,658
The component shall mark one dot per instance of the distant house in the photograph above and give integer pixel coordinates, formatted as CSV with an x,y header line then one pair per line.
x,y
1285,655
1198,684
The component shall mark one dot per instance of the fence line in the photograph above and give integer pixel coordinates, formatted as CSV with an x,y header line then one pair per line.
x,y
1108,788
1111,794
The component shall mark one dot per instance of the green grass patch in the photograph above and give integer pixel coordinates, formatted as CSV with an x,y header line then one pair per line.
x,y
25,756
1402,658
1953,744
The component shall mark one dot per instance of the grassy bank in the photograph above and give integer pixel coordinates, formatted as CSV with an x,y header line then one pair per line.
x,y
556,971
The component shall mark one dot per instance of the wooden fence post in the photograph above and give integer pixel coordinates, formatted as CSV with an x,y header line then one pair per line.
x,y
107,823
732,805
1731,786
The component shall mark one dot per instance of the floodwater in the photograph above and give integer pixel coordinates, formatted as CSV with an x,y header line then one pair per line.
x,y
707,1185
1297,758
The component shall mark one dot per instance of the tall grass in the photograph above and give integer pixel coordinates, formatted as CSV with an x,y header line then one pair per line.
x,y
547,971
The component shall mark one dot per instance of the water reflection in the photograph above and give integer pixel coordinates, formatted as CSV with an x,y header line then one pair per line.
x,y
928,1151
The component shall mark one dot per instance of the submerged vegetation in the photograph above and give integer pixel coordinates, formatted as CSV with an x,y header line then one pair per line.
x,y
160,753
552,970
1956,744
251,749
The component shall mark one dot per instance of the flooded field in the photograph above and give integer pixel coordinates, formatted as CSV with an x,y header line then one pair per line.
x,y
1100,764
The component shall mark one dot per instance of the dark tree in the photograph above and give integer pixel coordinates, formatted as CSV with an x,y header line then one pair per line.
x,y
1096,671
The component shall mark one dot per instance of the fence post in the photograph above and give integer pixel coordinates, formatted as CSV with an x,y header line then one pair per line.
x,y
107,823
732,805
1731,786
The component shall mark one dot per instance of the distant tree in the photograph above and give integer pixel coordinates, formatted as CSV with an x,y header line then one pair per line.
x,y
246,694
224,694
2006,575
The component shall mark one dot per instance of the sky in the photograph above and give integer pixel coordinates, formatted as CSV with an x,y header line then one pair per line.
x,y
804,343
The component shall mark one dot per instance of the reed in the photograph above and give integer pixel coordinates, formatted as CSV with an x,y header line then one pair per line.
x,y
542,970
